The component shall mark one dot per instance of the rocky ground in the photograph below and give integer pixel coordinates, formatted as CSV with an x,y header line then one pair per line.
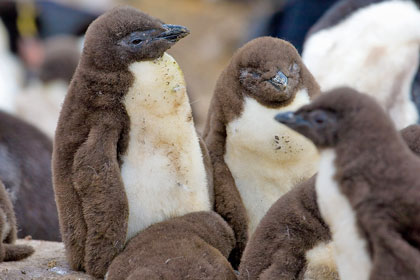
x,y
48,262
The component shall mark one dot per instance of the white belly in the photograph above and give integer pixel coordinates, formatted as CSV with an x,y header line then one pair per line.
x,y
266,158
350,251
163,170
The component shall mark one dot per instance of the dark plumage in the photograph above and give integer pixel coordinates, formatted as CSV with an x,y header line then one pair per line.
x,y
25,169
292,227
95,132
194,246
8,250
375,173
269,71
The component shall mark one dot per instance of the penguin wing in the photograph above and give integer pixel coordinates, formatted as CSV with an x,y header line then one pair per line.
x,y
98,183
291,227
209,169
227,199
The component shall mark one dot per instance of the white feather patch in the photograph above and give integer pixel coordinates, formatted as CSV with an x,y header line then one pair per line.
x,y
375,51
266,158
320,263
350,249
163,169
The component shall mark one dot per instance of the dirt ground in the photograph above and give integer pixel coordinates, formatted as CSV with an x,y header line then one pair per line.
x,y
47,263
217,28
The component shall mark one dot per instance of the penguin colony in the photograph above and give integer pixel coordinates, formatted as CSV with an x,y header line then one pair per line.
x,y
141,196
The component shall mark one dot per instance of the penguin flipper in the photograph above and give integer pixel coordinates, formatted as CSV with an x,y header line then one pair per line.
x,y
292,226
227,199
13,252
98,183
193,246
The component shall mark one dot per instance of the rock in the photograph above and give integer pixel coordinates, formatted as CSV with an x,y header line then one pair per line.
x,y
48,262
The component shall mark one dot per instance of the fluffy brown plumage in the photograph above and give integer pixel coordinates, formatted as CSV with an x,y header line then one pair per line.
x,y
255,71
377,174
25,169
194,246
92,136
8,250
292,227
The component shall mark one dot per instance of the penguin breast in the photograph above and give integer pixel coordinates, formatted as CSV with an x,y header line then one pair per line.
x,y
349,249
162,170
267,159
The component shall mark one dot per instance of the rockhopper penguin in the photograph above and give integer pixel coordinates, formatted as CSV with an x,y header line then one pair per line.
x,y
373,47
368,185
255,161
8,250
126,154
292,241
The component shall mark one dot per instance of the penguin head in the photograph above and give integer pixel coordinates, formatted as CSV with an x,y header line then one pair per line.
x,y
336,116
125,35
269,70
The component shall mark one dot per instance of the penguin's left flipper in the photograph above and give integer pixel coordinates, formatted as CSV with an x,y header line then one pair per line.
x,y
193,246
291,227
97,181
13,252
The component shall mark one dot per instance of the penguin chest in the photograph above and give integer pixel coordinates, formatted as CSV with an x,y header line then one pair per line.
x,y
266,158
162,170
350,250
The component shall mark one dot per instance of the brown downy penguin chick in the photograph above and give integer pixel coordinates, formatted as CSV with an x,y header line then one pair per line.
x,y
126,154
25,169
300,247
368,185
8,250
187,247
255,161
391,56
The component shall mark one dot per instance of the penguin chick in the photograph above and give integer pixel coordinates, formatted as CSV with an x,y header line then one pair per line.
x,y
280,247
194,246
255,161
8,250
126,154
341,51
25,169
368,185
301,247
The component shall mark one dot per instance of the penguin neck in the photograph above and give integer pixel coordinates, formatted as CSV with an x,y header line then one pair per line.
x,y
267,159
369,153
162,169
349,247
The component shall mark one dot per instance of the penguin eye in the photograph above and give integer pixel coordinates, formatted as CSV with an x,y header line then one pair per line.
x,y
136,38
322,118
136,41
244,73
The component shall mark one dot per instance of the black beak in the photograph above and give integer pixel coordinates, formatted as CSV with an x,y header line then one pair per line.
x,y
291,120
279,80
174,33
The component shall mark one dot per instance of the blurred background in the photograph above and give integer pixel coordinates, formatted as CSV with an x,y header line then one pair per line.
x,y
40,44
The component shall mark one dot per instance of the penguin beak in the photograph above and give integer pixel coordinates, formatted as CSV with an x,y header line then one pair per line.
x,y
279,80
292,120
173,33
